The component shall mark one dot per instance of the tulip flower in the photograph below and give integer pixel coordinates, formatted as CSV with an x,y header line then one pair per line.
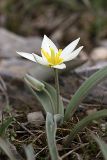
x,y
51,56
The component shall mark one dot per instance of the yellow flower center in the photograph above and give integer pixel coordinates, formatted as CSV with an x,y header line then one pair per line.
x,y
53,58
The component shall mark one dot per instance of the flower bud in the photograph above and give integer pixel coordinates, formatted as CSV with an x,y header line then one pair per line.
x,y
34,83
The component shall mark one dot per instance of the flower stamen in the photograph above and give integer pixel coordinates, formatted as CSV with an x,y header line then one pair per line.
x,y
53,58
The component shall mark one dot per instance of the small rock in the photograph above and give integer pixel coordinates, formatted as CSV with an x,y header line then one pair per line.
x,y
99,53
35,118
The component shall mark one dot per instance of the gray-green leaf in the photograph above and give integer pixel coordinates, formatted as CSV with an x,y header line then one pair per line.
x,y
5,125
51,127
47,97
53,94
102,145
83,91
29,152
9,149
44,98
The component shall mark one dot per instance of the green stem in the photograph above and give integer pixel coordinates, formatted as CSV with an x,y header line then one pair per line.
x,y
57,89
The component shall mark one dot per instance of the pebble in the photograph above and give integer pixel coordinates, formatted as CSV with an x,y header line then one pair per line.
x,y
99,53
36,118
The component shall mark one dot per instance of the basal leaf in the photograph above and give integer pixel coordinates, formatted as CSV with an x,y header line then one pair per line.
x,y
5,125
29,152
51,127
7,148
53,94
83,91
102,145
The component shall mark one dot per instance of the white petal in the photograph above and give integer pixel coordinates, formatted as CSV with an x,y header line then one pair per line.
x,y
45,45
60,66
51,44
27,55
67,50
39,59
74,54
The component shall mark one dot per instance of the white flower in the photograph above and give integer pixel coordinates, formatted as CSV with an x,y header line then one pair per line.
x,y
51,56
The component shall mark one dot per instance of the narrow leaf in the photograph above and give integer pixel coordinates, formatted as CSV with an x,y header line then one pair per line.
x,y
58,118
83,123
102,145
83,91
29,152
5,125
53,94
6,147
51,133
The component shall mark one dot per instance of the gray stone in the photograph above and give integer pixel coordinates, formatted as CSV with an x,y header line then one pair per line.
x,y
10,43
88,69
35,118
15,68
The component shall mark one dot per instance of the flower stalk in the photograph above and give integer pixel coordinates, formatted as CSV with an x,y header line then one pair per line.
x,y
57,88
